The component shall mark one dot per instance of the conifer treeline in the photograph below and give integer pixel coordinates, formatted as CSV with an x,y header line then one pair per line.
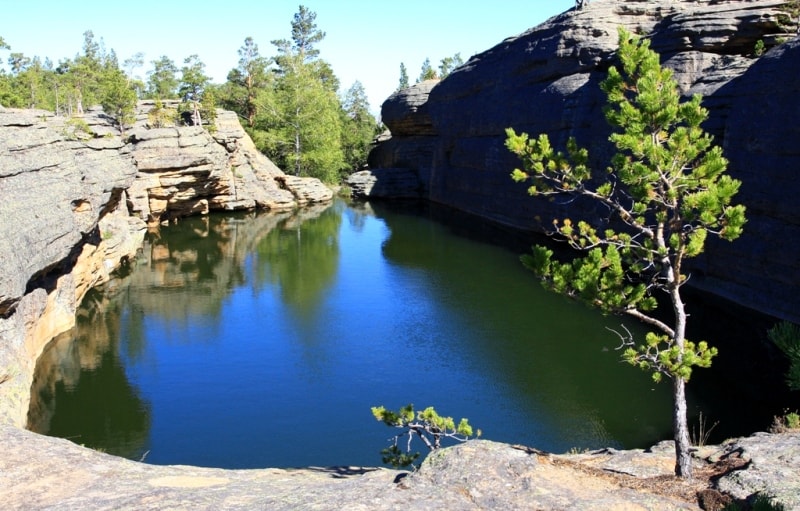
x,y
290,103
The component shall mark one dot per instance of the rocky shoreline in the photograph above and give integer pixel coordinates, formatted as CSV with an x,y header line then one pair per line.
x,y
59,252
42,473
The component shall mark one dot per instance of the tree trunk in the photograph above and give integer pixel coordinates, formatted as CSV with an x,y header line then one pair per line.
x,y
680,428
297,152
196,119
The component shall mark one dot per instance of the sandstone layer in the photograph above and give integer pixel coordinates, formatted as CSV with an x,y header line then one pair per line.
x,y
546,80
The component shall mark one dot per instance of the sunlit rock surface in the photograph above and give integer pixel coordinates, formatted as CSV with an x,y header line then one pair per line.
x,y
64,228
189,170
39,472
75,205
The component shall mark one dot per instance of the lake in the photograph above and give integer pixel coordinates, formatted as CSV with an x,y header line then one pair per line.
x,y
262,340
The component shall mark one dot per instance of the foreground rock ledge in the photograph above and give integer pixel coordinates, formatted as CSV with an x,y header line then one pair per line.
x,y
38,472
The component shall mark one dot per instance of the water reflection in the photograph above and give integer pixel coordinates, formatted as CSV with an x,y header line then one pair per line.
x,y
234,338
558,354
80,390
301,258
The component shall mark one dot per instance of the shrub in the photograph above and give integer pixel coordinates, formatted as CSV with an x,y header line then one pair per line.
x,y
759,49
427,425
789,421
77,129
161,117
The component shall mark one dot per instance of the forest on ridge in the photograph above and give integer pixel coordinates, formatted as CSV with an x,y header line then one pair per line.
x,y
290,103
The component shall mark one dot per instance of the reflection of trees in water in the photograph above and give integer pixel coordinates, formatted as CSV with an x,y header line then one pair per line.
x,y
301,258
186,270
183,274
80,390
357,214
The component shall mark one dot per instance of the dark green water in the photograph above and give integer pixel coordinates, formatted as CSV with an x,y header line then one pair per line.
x,y
263,340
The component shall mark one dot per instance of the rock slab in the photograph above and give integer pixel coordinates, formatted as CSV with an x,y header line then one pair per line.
x,y
43,473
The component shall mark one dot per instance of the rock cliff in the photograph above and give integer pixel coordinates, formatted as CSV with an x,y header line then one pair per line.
x,y
189,170
77,198
64,227
451,134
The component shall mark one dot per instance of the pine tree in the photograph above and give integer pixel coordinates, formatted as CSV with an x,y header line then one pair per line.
x,y
305,35
130,65
359,127
426,425
427,72
6,93
403,77
244,82
162,81
668,190
448,64
82,75
192,87
118,98
300,124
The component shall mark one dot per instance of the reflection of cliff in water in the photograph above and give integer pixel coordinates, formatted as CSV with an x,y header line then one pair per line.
x,y
587,368
183,274
186,272
80,390
554,352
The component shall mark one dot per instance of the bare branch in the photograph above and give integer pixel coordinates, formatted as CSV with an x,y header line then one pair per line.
x,y
626,338
650,321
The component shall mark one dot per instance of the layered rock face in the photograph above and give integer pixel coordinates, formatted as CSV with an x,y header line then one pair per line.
x,y
188,170
546,80
64,228
76,200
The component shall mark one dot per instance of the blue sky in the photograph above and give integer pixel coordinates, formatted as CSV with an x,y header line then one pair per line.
x,y
365,40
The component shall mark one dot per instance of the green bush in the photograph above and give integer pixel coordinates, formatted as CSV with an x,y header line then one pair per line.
x,y
789,421
759,48
161,116
76,128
